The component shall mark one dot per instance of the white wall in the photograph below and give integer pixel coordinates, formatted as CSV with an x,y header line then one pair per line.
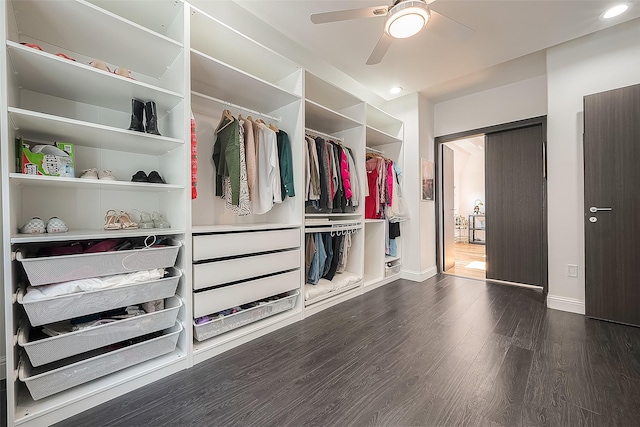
x,y
418,234
470,183
504,104
602,61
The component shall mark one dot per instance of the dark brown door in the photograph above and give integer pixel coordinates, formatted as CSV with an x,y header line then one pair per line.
x,y
612,180
514,206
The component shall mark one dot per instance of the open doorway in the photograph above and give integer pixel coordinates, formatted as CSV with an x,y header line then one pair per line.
x,y
463,198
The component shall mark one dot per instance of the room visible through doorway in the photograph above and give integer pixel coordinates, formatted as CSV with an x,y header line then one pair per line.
x,y
464,164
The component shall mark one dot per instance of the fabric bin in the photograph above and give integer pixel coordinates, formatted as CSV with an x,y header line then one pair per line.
x,y
49,350
55,309
64,268
42,383
224,324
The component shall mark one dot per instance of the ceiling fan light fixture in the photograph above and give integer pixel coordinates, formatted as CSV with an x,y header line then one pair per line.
x,y
407,19
616,10
396,90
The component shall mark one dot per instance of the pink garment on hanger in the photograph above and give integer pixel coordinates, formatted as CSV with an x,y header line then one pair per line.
x,y
344,171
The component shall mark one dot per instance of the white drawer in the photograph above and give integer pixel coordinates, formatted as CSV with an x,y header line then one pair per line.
x,y
213,246
219,299
236,269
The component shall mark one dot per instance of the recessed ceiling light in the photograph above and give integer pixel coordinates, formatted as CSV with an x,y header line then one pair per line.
x,y
395,90
616,10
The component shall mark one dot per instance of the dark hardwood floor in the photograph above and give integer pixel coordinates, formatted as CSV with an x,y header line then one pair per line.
x,y
448,351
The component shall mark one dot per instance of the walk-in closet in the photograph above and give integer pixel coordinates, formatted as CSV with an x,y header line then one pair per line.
x,y
217,193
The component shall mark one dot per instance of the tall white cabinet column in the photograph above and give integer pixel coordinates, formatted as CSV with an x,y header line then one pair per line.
x,y
50,95
240,260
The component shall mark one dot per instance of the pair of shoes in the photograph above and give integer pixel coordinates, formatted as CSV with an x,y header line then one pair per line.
x,y
157,220
92,173
154,177
150,112
101,65
37,226
118,221
35,46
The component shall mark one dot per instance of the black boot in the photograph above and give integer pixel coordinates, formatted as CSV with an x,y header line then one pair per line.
x,y
137,108
151,115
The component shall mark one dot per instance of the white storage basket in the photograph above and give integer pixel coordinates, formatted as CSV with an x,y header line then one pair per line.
x,y
45,383
391,270
49,350
224,324
65,307
54,269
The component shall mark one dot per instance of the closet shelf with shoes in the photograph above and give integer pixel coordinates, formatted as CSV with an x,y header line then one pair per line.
x,y
25,180
33,125
44,73
75,25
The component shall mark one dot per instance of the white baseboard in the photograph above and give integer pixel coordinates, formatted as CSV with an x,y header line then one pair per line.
x,y
571,305
3,368
419,276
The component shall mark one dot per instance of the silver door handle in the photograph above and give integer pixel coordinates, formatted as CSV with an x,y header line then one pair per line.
x,y
593,209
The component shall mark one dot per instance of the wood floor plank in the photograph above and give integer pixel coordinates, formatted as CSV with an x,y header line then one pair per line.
x,y
505,403
449,351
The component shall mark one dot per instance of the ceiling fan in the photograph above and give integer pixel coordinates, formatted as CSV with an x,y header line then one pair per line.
x,y
405,18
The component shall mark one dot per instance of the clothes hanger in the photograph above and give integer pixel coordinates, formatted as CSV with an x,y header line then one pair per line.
x,y
273,128
226,115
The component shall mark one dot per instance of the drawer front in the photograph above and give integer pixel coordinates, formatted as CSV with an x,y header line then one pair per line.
x,y
213,246
236,269
219,299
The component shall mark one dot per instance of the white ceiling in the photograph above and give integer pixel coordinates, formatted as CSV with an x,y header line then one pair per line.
x,y
507,43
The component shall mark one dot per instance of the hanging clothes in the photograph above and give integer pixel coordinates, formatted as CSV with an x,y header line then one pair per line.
x,y
269,184
194,159
244,204
286,165
250,153
226,156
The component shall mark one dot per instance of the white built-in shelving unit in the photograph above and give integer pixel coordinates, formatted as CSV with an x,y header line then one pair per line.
x,y
48,98
246,78
187,61
384,135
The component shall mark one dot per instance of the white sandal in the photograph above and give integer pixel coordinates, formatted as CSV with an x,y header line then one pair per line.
x,y
112,220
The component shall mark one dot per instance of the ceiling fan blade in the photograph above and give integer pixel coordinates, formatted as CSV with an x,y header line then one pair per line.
x,y
344,15
380,50
447,27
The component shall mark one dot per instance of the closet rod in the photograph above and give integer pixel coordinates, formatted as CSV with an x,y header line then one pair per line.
x,y
332,229
326,135
374,150
239,107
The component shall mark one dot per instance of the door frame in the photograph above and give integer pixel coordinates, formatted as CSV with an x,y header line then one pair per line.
x,y
438,140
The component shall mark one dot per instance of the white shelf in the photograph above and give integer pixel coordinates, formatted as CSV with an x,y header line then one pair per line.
x,y
326,120
52,75
373,221
92,235
25,180
158,18
388,258
215,39
219,80
323,93
45,127
332,294
377,137
331,215
240,227
78,25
